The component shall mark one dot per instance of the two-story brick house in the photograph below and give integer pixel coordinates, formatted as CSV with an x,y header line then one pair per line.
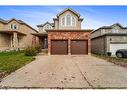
x,y
16,34
65,35
109,39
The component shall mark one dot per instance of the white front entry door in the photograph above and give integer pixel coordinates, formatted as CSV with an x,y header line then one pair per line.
x,y
115,47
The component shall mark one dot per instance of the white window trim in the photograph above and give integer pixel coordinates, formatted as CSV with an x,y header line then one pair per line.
x,y
12,26
74,21
70,20
47,26
62,21
65,20
115,31
103,31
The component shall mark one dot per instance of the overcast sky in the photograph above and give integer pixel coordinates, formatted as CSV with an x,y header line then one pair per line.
x,y
94,16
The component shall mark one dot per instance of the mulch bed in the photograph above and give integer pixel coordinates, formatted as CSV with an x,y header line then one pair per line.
x,y
2,75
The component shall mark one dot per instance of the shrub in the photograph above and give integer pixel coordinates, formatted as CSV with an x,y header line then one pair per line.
x,y
109,53
38,48
30,51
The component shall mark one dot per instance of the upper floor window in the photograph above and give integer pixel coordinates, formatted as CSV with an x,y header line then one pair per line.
x,y
68,20
47,27
73,21
63,21
115,31
103,31
14,26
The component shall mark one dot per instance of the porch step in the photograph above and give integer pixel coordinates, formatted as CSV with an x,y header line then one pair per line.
x,y
43,52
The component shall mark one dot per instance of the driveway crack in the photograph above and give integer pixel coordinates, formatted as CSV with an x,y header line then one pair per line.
x,y
84,76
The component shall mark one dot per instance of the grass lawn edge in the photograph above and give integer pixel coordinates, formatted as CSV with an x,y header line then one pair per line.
x,y
12,61
117,61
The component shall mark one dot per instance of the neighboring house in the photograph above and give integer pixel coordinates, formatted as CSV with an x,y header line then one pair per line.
x,y
43,34
109,39
16,34
65,35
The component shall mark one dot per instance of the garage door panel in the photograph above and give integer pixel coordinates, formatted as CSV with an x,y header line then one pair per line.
x,y
79,47
59,47
115,47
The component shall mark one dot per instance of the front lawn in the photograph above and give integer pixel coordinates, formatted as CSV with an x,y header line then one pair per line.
x,y
11,61
118,61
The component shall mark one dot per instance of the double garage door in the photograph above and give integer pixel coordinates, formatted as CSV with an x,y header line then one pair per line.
x,y
76,47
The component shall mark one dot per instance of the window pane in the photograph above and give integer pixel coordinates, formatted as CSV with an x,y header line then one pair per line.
x,y
115,30
63,21
73,21
14,26
47,26
68,20
11,26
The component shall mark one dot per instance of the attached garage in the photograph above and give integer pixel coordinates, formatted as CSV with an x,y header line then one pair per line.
x,y
76,47
59,47
79,47
115,46
69,42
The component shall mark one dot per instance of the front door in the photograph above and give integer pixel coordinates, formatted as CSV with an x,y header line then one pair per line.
x,y
45,43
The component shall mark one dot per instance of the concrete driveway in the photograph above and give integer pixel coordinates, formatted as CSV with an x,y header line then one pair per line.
x,y
64,71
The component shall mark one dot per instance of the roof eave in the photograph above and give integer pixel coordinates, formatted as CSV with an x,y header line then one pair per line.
x,y
11,32
69,30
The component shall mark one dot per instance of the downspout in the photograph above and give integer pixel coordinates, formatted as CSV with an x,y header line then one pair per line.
x,y
104,45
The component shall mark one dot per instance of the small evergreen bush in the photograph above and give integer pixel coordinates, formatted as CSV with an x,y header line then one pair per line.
x,y
38,48
30,51
109,53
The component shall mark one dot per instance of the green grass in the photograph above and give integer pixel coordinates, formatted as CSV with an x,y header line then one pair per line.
x,y
11,61
118,61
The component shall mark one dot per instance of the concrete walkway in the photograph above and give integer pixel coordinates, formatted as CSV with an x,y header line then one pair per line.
x,y
63,71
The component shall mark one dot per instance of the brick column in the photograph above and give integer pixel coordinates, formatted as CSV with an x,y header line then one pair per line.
x,y
89,46
69,47
11,41
15,41
49,44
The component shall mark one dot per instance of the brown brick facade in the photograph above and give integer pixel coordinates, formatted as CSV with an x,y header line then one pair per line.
x,y
76,35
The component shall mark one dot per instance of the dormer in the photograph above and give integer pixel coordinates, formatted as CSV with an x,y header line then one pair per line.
x,y
68,19
45,26
13,24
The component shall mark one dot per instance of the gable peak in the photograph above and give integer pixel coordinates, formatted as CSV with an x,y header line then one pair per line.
x,y
68,9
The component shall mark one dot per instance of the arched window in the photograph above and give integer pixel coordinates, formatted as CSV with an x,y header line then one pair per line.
x,y
73,21
68,20
14,26
63,21
47,27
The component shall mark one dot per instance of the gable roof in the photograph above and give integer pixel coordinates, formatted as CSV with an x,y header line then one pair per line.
x,y
110,27
7,21
52,24
68,9
2,20
118,24
19,21
13,19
